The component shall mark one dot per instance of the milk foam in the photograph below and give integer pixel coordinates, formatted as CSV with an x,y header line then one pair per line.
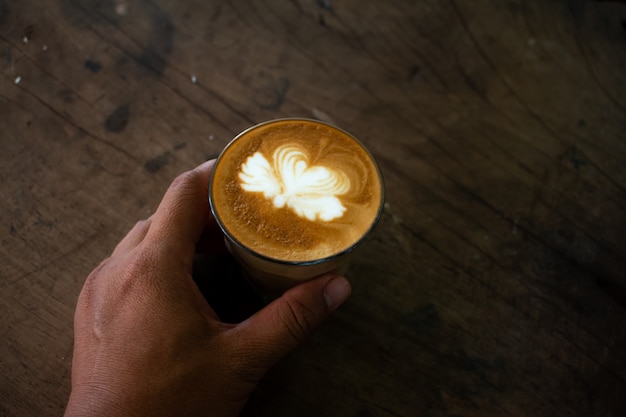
x,y
296,191
312,192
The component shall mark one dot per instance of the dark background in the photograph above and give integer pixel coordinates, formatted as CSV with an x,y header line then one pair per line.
x,y
495,283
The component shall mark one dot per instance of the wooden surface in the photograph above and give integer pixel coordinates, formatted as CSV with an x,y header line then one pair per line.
x,y
495,284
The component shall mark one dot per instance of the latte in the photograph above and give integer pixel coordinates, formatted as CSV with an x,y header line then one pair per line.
x,y
295,191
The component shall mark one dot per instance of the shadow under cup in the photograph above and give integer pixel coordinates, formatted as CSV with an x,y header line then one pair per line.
x,y
248,212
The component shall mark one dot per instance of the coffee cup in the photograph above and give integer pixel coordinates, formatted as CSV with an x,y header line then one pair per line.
x,y
294,199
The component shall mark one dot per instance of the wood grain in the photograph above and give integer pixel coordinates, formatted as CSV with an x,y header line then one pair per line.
x,y
494,284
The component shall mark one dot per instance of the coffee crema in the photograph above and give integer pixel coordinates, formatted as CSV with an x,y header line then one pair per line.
x,y
296,190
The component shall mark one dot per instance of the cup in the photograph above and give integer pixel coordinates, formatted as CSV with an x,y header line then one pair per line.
x,y
294,199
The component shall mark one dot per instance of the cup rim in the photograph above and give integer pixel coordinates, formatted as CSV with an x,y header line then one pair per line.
x,y
332,257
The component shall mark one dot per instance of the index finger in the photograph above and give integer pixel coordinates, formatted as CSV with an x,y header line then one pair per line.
x,y
183,212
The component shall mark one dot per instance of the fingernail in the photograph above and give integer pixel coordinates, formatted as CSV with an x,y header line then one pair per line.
x,y
336,292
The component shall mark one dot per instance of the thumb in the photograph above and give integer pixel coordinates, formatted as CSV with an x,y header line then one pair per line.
x,y
281,326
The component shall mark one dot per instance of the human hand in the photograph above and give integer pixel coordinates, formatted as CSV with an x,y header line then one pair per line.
x,y
148,344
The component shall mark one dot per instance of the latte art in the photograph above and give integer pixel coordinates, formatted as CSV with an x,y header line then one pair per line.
x,y
310,191
295,190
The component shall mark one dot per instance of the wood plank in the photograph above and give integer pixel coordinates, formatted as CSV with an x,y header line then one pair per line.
x,y
494,284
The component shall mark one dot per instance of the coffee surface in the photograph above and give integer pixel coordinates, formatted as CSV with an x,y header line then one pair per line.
x,y
296,190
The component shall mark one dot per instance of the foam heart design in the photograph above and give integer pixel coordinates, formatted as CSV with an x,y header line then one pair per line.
x,y
310,191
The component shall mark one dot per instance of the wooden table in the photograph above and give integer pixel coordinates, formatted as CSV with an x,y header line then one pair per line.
x,y
495,284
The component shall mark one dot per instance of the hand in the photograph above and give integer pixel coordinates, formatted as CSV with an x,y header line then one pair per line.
x,y
148,344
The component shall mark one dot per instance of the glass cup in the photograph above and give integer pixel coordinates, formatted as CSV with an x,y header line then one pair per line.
x,y
294,199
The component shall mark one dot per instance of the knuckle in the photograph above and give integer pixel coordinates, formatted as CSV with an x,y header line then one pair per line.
x,y
140,262
140,224
93,281
298,320
136,273
184,180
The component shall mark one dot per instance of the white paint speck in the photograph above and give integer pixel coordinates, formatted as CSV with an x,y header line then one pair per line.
x,y
320,115
121,7
25,39
211,137
194,79
44,48
18,80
